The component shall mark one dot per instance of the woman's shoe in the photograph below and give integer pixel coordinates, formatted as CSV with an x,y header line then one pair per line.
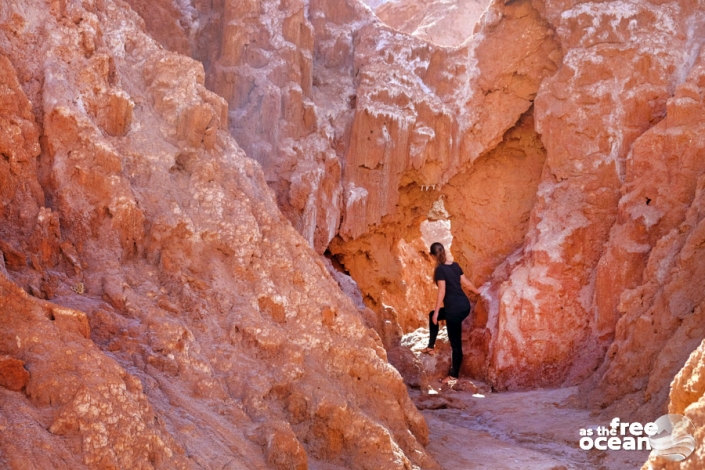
x,y
450,380
428,351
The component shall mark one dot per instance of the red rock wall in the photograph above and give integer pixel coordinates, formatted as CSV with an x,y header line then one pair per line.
x,y
687,397
655,298
164,312
440,128
348,159
440,112
552,310
593,116
598,282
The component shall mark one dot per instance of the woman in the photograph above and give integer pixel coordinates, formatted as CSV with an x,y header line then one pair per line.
x,y
456,307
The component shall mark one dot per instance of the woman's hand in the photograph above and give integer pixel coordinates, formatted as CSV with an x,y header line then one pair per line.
x,y
435,317
468,283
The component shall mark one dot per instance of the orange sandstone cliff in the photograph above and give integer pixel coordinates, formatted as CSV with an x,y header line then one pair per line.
x,y
158,311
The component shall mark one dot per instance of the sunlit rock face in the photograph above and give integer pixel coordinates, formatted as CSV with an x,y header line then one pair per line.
x,y
584,293
446,23
654,291
592,240
356,166
440,114
286,71
158,310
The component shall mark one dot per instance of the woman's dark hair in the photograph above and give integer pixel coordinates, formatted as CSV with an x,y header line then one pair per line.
x,y
439,253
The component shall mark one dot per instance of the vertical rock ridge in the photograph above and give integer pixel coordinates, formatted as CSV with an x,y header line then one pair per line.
x,y
578,197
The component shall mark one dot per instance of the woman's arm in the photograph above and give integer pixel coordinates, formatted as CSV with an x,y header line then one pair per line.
x,y
467,283
439,300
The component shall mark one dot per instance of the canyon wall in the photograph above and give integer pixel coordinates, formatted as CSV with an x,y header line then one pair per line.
x,y
654,284
604,258
357,167
442,110
610,243
600,264
158,311
286,71
687,398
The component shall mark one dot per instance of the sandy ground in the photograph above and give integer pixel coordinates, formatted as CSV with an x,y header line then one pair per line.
x,y
533,430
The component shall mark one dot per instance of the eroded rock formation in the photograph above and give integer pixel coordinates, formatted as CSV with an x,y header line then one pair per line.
x,y
687,398
360,164
655,248
608,92
442,110
164,311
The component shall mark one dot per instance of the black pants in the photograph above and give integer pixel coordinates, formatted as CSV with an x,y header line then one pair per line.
x,y
454,323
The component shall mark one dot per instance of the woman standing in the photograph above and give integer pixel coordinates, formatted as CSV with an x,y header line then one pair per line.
x,y
456,307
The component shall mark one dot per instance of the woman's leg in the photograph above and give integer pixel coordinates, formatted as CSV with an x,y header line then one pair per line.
x,y
455,333
433,327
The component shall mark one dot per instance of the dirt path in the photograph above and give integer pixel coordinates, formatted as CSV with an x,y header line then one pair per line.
x,y
536,430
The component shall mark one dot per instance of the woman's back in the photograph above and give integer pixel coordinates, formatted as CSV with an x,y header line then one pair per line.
x,y
455,300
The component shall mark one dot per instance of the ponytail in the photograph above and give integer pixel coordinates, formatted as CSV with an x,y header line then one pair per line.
x,y
439,253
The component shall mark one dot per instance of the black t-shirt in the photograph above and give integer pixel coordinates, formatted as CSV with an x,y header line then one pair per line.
x,y
455,300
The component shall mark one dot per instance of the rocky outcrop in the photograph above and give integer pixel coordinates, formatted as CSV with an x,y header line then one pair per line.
x,y
346,158
356,168
687,398
412,137
284,115
167,314
592,250
614,85
461,127
648,283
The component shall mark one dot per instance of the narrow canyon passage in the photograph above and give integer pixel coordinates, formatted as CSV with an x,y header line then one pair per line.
x,y
533,430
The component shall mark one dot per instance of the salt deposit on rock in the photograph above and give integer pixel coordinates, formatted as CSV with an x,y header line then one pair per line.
x,y
446,23
369,163
655,298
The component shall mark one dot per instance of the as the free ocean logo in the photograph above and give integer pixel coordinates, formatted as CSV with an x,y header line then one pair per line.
x,y
669,437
